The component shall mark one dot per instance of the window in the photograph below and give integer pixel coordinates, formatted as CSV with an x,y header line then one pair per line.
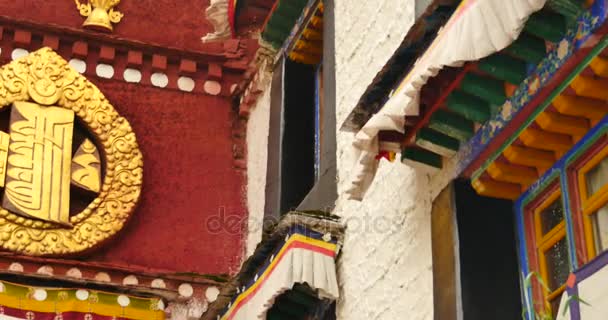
x,y
551,247
593,192
301,166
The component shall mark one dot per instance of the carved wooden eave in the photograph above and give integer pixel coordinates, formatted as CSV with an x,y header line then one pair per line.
x,y
217,14
182,294
211,72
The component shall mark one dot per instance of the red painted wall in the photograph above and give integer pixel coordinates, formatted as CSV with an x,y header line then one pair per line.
x,y
170,23
188,178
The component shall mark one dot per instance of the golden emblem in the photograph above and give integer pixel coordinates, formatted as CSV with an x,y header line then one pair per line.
x,y
100,14
38,169
86,167
38,165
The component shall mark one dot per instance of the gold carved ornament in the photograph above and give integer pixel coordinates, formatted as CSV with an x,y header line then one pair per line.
x,y
44,92
100,13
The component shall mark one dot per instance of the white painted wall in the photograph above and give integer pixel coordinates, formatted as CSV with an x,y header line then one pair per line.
x,y
257,155
385,270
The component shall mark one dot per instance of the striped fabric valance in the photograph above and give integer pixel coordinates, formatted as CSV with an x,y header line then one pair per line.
x,y
30,303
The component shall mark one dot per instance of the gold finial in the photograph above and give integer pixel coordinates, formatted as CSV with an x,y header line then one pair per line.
x,y
100,14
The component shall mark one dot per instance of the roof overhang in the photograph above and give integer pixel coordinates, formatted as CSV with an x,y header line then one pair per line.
x,y
302,251
538,134
461,41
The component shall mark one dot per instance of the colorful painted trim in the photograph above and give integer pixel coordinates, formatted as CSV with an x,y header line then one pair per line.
x,y
308,11
60,303
585,272
532,86
297,238
558,171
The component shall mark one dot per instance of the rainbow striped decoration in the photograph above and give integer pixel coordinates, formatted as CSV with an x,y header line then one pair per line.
x,y
304,257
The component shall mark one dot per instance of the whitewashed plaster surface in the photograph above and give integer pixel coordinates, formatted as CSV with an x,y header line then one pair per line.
x,y
257,155
385,270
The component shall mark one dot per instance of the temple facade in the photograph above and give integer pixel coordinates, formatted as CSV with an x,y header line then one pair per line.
x,y
303,159
121,147
456,141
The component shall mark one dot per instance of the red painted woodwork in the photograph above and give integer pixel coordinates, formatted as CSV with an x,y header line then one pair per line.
x,y
575,199
251,15
531,243
178,24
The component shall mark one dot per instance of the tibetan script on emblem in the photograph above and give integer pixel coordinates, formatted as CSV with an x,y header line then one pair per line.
x,y
39,161
86,167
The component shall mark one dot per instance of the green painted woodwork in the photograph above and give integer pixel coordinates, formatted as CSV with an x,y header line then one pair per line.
x,y
599,48
437,142
504,68
275,36
488,89
547,25
282,21
570,9
469,106
422,156
452,124
529,48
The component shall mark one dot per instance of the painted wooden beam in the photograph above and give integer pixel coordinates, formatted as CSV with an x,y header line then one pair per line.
x,y
452,124
470,107
504,68
591,109
486,88
540,159
506,172
599,66
495,189
547,25
559,123
437,142
590,87
571,9
421,156
539,139
528,48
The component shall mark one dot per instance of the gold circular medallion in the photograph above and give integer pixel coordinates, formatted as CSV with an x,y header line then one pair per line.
x,y
39,166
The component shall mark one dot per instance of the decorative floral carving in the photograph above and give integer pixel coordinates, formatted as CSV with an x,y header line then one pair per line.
x,y
100,13
46,78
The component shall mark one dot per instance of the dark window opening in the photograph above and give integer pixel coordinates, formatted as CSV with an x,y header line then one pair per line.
x,y
298,143
301,303
475,267
489,272
301,170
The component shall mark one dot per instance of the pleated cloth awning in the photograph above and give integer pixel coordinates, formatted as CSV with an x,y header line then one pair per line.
x,y
477,29
302,251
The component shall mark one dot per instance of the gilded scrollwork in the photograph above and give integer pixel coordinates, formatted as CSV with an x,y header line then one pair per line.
x,y
100,13
45,78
